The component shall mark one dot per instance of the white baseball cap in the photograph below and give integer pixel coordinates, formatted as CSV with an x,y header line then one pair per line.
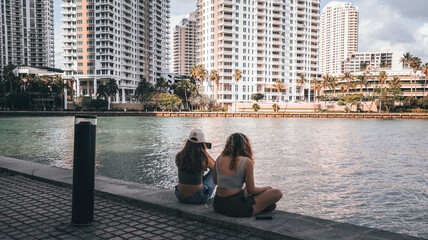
x,y
197,136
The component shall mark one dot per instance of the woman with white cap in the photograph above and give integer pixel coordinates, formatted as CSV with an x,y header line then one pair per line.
x,y
192,161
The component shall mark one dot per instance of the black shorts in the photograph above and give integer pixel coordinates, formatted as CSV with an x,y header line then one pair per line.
x,y
237,205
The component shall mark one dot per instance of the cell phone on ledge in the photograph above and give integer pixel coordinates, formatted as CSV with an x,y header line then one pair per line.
x,y
264,218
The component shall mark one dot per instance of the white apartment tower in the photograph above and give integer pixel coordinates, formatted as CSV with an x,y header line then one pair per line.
x,y
339,35
27,33
184,45
125,40
304,47
249,35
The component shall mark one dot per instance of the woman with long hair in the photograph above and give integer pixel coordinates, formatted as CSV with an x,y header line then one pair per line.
x,y
234,168
192,161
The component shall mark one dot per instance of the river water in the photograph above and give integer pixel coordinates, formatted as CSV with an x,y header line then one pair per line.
x,y
368,172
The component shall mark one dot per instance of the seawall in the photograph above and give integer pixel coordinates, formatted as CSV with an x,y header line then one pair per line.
x,y
221,114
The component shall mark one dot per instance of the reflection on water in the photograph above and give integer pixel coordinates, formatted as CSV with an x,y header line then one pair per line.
x,y
367,172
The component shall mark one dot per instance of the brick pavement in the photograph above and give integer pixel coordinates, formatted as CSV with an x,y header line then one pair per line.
x,y
31,209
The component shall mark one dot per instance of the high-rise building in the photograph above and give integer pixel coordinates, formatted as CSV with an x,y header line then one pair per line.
x,y
248,35
184,45
339,35
126,40
304,47
27,33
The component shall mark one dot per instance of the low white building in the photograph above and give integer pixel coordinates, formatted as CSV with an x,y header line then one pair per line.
x,y
386,60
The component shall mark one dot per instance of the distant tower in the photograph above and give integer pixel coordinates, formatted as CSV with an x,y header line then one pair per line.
x,y
27,33
339,35
184,45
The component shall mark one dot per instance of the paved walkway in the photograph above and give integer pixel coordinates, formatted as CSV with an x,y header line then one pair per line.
x,y
30,209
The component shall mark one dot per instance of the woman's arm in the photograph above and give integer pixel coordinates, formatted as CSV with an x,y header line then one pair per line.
x,y
249,179
211,162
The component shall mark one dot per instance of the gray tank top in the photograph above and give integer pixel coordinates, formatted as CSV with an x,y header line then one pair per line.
x,y
234,181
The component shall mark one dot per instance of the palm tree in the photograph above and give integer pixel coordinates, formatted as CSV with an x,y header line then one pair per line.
x,y
185,86
301,81
58,86
238,75
316,86
406,59
143,90
214,78
198,73
382,77
424,71
395,82
362,81
347,77
162,84
279,86
110,89
415,64
202,73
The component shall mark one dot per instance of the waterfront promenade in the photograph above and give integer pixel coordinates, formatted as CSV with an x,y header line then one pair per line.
x,y
35,203
222,114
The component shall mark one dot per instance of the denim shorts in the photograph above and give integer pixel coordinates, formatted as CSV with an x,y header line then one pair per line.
x,y
204,195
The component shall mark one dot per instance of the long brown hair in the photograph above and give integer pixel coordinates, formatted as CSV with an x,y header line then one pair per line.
x,y
237,144
193,157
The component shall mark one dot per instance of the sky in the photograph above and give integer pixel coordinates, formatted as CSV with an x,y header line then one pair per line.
x,y
398,25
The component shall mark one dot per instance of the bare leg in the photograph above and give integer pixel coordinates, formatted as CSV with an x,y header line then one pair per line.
x,y
266,199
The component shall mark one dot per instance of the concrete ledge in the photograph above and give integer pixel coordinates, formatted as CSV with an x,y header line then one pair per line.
x,y
283,226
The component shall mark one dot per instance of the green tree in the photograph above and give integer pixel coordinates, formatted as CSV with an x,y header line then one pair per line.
x,y
144,91
109,89
352,100
256,107
257,96
162,85
9,77
275,107
167,101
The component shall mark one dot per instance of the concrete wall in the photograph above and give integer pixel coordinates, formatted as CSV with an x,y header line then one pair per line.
x,y
284,107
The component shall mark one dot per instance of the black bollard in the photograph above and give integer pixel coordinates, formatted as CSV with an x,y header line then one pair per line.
x,y
82,212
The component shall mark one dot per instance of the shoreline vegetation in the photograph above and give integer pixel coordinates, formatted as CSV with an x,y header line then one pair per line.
x,y
221,114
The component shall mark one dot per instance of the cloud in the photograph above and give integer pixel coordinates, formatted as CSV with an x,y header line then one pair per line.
x,y
413,9
180,7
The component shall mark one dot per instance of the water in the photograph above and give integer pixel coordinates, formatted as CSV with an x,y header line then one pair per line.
x,y
371,173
